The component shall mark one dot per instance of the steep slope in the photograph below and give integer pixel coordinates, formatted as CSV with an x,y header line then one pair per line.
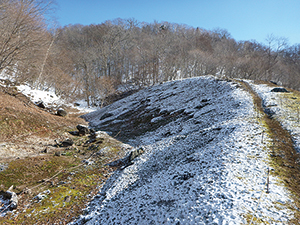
x,y
206,159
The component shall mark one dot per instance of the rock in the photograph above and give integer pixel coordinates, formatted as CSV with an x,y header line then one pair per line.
x,y
88,162
58,153
27,191
127,160
83,130
76,104
135,153
40,197
13,198
106,115
279,89
61,112
66,143
40,104
92,131
67,199
13,202
75,132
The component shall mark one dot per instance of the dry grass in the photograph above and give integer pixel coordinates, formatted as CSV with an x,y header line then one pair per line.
x,y
66,177
24,127
284,157
19,117
27,130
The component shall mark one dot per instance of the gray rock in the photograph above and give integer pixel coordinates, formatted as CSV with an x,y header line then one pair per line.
x,y
67,199
135,153
66,143
127,160
13,202
61,112
40,197
83,130
12,197
279,89
40,104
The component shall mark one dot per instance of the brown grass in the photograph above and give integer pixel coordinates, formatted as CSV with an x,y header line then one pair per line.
x,y
284,157
20,118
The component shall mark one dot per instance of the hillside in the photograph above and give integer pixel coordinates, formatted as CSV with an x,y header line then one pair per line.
x,y
196,151
208,158
51,179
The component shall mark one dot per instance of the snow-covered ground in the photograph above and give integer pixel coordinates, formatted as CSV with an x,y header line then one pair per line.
x,y
206,165
284,106
50,99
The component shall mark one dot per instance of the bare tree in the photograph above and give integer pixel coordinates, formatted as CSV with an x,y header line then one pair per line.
x,y
23,32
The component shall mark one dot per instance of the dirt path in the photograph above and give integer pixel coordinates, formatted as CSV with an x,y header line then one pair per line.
x,y
284,156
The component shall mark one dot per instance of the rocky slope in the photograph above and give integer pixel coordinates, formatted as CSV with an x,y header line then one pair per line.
x,y
206,159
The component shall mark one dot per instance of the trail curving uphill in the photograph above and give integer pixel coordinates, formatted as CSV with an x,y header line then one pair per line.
x,y
206,159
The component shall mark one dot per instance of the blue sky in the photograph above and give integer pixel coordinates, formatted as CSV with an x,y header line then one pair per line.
x,y
244,19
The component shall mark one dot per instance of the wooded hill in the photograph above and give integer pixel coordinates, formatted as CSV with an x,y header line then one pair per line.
x,y
93,61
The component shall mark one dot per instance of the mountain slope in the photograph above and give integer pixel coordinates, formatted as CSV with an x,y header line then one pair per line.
x,y
206,159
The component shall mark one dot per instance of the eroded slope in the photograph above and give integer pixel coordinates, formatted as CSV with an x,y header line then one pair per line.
x,y
206,159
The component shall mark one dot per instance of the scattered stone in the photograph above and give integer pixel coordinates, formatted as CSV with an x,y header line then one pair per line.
x,y
67,199
76,104
88,162
61,112
13,202
66,143
136,153
58,153
40,197
279,89
3,167
127,160
12,197
75,132
27,191
93,137
83,130
40,104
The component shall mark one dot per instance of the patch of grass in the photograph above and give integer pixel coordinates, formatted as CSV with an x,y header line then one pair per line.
x,y
72,183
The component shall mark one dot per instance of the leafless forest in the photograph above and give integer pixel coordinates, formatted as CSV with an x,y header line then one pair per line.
x,y
96,60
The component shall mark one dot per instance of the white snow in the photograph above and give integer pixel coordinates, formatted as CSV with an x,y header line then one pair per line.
x,y
50,99
285,108
211,168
